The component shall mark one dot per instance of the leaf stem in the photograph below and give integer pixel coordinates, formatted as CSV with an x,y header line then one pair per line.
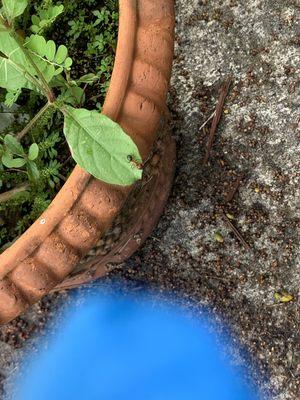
x,y
32,122
11,193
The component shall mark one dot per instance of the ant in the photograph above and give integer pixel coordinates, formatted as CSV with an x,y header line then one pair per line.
x,y
134,162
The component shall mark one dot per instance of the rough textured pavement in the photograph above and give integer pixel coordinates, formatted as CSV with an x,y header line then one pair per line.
x,y
258,44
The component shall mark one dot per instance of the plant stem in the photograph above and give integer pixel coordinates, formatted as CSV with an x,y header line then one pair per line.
x,y
32,122
11,193
82,96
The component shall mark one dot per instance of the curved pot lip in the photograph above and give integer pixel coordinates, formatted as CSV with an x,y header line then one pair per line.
x,y
78,180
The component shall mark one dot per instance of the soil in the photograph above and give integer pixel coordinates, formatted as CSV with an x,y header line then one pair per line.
x,y
194,252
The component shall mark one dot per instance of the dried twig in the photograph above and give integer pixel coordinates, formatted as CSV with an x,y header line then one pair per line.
x,y
234,188
217,117
236,231
11,193
207,121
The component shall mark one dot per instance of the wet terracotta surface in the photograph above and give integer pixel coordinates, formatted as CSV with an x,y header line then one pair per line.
x,y
85,207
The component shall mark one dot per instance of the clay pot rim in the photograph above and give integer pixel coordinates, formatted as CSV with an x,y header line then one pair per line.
x,y
78,180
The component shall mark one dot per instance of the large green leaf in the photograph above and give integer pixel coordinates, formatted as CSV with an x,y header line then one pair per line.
x,y
2,23
11,75
14,8
15,69
10,47
101,147
14,76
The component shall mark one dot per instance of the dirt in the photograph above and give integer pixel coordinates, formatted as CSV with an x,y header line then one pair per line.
x,y
257,142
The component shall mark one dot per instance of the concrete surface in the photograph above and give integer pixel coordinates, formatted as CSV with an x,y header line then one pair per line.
x,y
257,43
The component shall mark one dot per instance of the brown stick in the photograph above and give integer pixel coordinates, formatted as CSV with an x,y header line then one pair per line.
x,y
236,231
219,109
11,193
233,190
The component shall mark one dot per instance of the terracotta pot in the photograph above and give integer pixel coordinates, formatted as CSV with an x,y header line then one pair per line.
x,y
85,207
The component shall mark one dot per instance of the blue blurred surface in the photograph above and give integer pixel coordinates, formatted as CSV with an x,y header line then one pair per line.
x,y
121,348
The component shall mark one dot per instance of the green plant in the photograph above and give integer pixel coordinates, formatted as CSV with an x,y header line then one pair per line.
x,y
13,155
95,30
45,18
97,144
25,191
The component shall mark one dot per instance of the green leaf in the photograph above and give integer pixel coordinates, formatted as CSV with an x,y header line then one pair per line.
x,y
15,69
61,54
88,78
35,20
37,44
35,29
32,171
13,144
33,152
6,160
11,76
101,147
49,72
58,71
44,54
10,162
14,8
11,97
18,162
284,297
50,50
68,62
59,82
45,18
73,95
2,23
10,47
